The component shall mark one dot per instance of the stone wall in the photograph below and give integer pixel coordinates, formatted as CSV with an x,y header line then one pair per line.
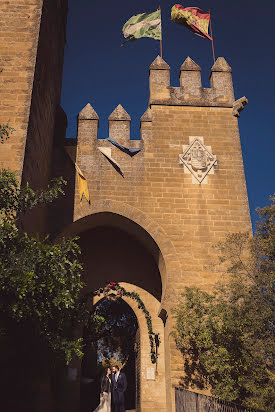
x,y
184,207
32,39
44,112
19,31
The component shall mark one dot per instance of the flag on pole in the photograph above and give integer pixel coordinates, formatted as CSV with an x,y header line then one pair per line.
x,y
143,25
193,18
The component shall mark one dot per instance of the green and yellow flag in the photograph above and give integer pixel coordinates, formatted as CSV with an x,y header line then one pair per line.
x,y
143,25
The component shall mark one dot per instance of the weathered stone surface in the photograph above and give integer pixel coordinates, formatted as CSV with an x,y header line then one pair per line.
x,y
159,64
190,80
32,39
119,114
88,113
147,116
221,65
189,64
191,93
239,105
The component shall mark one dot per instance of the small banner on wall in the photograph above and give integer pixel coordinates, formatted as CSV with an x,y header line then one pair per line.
x,y
82,182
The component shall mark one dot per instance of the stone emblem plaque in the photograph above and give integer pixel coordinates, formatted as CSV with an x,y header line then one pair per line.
x,y
197,159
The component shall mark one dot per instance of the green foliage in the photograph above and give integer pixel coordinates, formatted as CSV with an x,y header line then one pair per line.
x,y
40,282
5,129
5,132
227,336
15,199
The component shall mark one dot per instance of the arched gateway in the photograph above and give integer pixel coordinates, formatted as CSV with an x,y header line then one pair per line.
x,y
156,212
116,247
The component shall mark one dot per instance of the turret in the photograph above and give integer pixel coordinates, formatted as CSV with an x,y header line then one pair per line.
x,y
221,80
87,125
190,77
119,125
159,80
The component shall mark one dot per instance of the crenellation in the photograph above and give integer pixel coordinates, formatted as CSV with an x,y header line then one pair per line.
x,y
87,125
221,81
119,125
191,93
159,80
190,78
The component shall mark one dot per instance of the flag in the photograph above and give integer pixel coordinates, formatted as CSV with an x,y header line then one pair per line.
x,y
82,182
107,153
82,185
143,25
193,18
129,150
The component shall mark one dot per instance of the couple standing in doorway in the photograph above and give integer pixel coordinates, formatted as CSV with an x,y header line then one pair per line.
x,y
113,387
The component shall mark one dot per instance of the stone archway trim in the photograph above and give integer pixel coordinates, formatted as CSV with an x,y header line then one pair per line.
x,y
169,268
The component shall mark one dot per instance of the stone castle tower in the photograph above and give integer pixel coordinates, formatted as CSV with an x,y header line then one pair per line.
x,y
153,217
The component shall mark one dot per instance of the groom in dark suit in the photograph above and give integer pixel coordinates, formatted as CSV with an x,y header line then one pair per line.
x,y
119,386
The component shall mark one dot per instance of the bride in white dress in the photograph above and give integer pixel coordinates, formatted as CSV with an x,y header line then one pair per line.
x,y
105,394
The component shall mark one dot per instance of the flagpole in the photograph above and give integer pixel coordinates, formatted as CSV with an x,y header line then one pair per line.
x,y
160,42
212,42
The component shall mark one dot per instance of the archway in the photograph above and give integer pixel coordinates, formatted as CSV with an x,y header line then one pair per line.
x,y
150,378
111,253
116,248
140,225
112,343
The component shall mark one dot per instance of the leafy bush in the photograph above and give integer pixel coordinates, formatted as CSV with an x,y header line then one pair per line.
x,y
227,336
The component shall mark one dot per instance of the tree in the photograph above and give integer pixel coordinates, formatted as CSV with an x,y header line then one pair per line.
x,y
227,336
40,281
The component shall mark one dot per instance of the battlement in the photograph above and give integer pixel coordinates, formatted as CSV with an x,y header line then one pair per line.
x,y
189,93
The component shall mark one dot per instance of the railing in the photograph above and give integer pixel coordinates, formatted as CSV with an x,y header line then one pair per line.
x,y
187,401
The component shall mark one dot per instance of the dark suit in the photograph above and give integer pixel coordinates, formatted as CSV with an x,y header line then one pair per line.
x,y
118,389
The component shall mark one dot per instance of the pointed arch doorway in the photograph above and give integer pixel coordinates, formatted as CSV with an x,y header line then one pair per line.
x,y
112,343
114,248
148,379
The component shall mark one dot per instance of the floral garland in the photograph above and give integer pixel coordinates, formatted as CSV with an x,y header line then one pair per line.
x,y
114,291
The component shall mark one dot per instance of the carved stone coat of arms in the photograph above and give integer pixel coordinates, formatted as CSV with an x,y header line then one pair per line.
x,y
198,159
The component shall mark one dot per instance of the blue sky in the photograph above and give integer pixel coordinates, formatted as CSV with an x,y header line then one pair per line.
x,y
99,71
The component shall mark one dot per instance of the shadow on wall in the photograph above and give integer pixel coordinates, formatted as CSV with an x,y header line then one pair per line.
x,y
111,254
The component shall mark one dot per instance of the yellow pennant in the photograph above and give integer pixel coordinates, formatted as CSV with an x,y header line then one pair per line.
x,y
82,182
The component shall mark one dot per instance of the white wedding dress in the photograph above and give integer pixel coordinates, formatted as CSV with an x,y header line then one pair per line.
x,y
105,403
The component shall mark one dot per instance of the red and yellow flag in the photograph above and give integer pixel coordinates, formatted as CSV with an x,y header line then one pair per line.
x,y
193,18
